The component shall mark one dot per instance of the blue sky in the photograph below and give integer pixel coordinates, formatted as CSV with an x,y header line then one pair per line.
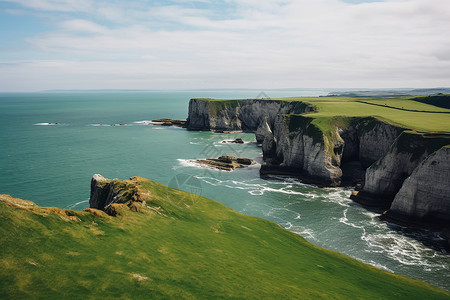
x,y
180,44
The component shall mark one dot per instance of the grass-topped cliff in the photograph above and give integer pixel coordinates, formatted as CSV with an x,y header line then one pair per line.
x,y
418,113
336,141
165,243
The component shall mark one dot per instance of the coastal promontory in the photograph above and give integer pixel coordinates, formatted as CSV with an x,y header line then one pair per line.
x,y
385,147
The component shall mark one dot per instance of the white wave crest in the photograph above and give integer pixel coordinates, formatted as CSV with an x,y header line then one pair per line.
x,y
76,204
110,125
47,124
187,162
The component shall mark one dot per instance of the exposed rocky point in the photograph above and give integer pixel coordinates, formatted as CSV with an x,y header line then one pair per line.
x,y
227,163
110,195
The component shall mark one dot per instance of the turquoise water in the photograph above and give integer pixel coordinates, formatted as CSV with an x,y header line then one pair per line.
x,y
52,165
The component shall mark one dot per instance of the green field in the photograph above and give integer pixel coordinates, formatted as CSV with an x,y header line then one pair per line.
x,y
178,245
401,111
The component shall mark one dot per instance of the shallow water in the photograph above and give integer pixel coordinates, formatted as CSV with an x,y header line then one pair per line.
x,y
52,143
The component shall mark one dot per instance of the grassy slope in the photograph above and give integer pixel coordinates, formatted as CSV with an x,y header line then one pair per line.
x,y
180,246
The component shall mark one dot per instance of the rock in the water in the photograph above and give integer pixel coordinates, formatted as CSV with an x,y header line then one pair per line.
x,y
170,122
236,141
227,163
245,161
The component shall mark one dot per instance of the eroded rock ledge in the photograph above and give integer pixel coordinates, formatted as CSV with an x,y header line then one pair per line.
x,y
227,163
170,122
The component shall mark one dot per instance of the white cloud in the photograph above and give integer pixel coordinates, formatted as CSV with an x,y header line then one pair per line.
x,y
55,5
270,43
79,25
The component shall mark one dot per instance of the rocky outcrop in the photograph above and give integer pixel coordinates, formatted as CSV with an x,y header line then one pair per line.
x,y
102,192
106,194
425,195
234,115
226,163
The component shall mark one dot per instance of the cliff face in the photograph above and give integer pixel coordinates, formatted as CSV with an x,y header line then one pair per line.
x,y
385,177
388,161
297,147
425,195
375,137
244,115
342,153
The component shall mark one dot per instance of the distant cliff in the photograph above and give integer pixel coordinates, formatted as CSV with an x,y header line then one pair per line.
x,y
384,159
245,115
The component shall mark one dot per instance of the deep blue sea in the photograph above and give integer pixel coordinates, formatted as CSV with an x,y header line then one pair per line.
x,y
52,165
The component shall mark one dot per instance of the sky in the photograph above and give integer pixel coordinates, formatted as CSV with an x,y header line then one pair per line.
x,y
205,44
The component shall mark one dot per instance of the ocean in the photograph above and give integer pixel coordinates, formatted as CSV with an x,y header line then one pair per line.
x,y
51,143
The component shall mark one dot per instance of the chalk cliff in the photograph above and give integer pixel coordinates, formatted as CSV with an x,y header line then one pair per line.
x,y
328,157
384,178
386,160
297,147
425,195
246,115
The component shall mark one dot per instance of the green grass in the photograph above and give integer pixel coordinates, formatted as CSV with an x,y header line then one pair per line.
x,y
420,116
180,246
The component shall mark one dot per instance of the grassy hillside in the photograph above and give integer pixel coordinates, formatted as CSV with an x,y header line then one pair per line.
x,y
172,244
